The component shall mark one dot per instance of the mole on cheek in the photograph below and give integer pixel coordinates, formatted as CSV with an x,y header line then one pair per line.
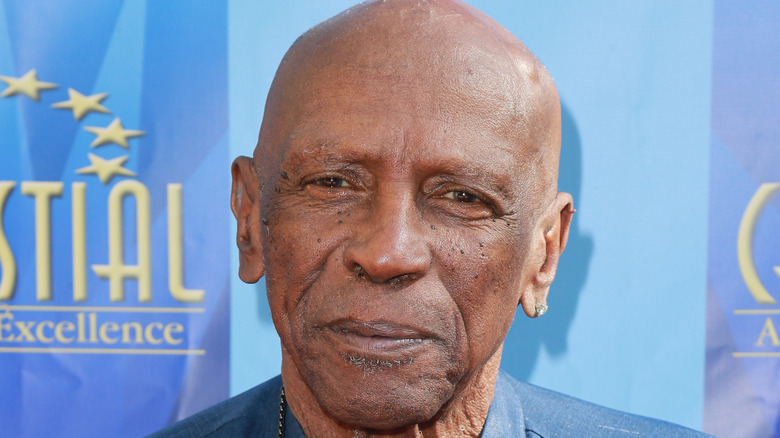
x,y
284,175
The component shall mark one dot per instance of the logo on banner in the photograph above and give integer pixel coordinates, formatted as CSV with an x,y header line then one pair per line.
x,y
768,334
79,327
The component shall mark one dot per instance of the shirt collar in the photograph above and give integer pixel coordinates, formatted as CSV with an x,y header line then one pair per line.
x,y
505,417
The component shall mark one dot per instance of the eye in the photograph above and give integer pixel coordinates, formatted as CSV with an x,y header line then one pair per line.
x,y
332,182
461,196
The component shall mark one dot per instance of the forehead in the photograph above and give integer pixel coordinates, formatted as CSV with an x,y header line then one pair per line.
x,y
460,104
407,133
398,140
422,73
433,57
417,85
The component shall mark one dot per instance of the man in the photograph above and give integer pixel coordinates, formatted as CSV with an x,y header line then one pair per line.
x,y
402,203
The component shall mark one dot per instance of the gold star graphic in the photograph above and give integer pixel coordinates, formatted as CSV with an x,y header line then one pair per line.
x,y
82,105
113,133
106,169
29,85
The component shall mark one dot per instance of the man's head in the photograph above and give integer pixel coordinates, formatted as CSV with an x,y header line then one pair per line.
x,y
401,203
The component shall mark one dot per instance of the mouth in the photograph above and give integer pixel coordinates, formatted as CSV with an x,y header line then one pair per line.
x,y
378,338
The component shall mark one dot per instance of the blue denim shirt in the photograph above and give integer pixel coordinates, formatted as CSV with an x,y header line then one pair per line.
x,y
518,410
523,410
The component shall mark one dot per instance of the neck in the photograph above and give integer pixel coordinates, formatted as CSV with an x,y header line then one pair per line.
x,y
463,415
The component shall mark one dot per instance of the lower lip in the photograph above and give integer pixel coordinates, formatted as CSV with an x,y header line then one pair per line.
x,y
379,344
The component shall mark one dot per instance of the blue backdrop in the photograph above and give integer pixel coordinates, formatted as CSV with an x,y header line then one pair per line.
x,y
743,348
114,244
669,130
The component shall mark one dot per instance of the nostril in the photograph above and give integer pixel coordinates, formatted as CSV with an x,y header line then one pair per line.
x,y
400,280
359,271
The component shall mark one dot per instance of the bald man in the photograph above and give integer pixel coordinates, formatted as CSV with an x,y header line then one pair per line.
x,y
402,204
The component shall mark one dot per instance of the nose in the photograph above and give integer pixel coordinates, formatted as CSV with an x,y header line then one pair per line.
x,y
390,245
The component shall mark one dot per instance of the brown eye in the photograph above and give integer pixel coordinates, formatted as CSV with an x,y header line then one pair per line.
x,y
332,182
460,196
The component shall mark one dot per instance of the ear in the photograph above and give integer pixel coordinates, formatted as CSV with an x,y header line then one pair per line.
x,y
548,241
245,203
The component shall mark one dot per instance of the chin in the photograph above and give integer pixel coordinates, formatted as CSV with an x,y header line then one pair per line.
x,y
388,404
374,393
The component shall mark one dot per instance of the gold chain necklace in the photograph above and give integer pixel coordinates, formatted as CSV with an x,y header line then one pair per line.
x,y
282,404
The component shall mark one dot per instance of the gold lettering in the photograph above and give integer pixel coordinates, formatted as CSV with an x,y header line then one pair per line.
x,y
126,333
768,330
109,326
148,333
175,252
43,191
6,326
25,331
80,323
7,261
173,327
39,331
79,214
108,333
747,229
92,327
117,271
65,326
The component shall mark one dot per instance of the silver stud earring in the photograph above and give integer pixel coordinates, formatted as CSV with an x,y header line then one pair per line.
x,y
540,309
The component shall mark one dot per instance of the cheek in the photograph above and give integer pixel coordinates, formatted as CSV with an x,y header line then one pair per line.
x,y
295,245
288,256
483,274
296,248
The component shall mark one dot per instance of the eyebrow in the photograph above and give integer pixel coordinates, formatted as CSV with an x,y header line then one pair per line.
x,y
300,150
497,181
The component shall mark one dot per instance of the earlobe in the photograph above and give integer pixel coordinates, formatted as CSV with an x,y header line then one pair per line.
x,y
245,204
549,241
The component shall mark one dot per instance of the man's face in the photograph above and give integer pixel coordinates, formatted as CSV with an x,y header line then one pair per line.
x,y
398,222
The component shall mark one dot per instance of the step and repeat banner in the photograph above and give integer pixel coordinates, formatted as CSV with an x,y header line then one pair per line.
x,y
114,242
118,123
742,386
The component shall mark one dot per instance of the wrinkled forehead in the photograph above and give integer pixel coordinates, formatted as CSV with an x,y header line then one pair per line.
x,y
440,59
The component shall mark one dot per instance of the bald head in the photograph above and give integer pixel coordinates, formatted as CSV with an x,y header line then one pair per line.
x,y
447,49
